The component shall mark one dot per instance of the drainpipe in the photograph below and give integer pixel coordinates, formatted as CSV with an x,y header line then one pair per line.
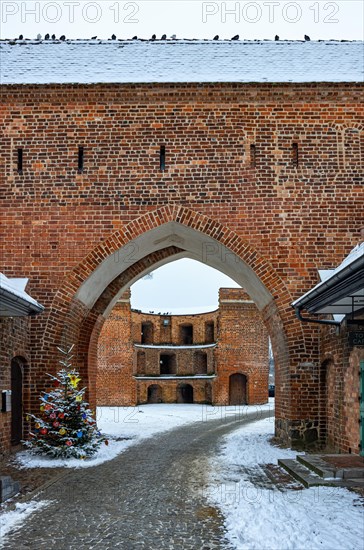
x,y
319,321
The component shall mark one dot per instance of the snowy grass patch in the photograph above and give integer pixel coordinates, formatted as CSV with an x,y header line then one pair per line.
x,y
126,426
13,519
266,518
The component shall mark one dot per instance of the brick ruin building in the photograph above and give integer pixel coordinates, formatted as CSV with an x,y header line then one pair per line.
x,y
219,357
247,156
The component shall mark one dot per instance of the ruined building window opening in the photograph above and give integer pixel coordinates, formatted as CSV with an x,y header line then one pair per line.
x,y
162,158
253,156
295,155
209,332
186,335
168,364
20,160
147,333
80,159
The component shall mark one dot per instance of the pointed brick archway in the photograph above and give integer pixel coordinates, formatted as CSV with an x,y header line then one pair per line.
x,y
89,292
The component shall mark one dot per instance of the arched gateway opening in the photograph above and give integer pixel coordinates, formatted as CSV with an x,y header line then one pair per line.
x,y
92,289
155,394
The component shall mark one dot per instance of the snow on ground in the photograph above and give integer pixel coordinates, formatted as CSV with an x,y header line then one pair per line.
x,y
13,519
262,518
126,426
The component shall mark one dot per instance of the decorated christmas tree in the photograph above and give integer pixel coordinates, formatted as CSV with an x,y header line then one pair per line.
x,y
66,427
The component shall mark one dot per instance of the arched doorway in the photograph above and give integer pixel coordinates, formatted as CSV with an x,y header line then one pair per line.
x,y
17,365
155,394
80,306
237,389
185,393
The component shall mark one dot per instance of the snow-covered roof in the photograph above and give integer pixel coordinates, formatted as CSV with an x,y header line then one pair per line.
x,y
341,290
143,61
14,301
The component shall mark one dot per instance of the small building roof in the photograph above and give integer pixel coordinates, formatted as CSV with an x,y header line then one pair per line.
x,y
14,301
342,291
178,61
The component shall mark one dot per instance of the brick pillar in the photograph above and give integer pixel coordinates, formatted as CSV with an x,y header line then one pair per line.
x,y
242,347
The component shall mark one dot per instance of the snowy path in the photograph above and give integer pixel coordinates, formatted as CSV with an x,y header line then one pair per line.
x,y
265,515
153,496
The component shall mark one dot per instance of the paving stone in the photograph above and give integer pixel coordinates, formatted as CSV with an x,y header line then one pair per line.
x,y
157,504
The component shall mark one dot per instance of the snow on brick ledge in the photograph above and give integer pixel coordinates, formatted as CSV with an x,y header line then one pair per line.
x,y
173,61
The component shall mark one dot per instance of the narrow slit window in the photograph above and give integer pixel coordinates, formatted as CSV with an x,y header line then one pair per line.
x,y
295,154
162,158
80,159
253,156
20,161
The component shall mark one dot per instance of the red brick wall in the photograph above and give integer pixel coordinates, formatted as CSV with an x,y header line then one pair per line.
x,y
340,390
242,347
283,221
115,382
14,342
170,334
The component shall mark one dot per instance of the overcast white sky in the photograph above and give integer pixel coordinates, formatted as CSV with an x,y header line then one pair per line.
x,y
183,284
320,19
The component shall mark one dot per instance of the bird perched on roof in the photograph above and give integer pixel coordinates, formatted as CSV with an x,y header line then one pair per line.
x,y
216,37
164,37
62,37
173,36
21,37
154,36
93,37
135,38
53,36
46,37
113,37
236,37
39,37
276,37
307,38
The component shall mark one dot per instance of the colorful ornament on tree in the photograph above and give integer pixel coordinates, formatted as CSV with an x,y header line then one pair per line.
x,y
74,380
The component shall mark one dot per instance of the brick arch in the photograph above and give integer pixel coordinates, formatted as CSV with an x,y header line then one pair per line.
x,y
124,239
78,311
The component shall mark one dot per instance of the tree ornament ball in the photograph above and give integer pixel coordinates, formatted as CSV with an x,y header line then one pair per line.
x,y
43,431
